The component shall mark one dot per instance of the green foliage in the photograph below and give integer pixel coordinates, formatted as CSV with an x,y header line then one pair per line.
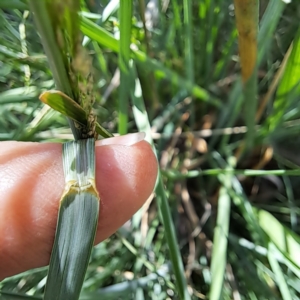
x,y
221,226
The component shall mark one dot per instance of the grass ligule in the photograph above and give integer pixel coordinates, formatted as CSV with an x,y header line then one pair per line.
x,y
77,222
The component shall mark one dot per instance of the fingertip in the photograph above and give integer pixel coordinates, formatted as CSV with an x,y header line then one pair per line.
x,y
125,178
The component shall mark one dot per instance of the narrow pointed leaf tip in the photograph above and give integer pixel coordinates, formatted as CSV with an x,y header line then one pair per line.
x,y
77,223
69,108
65,105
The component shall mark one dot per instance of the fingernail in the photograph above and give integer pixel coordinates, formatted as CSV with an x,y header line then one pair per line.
x,y
126,140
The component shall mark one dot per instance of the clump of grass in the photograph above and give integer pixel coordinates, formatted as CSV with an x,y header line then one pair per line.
x,y
224,222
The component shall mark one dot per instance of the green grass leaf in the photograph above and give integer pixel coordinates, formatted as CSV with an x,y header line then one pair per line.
x,y
280,278
69,108
77,223
220,240
142,121
289,87
125,13
283,238
105,39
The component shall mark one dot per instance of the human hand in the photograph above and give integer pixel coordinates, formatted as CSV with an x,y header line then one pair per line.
x,y
32,182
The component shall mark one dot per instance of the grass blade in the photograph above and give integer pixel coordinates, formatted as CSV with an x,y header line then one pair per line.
x,y
219,253
15,296
269,22
51,48
170,235
13,4
189,49
69,108
105,39
142,121
215,172
287,242
125,12
267,28
289,88
19,94
55,58
77,222
246,13
65,105
280,280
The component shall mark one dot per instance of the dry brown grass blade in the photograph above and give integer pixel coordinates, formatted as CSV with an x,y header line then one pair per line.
x,y
246,13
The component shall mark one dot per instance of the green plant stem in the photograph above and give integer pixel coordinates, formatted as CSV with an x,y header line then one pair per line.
x,y
142,121
58,69
215,172
170,234
124,57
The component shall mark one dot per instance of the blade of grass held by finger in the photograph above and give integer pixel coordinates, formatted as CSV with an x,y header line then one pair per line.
x,y
77,222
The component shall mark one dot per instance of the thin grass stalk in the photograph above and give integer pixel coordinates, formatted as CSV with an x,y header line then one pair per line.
x,y
215,172
289,87
227,52
58,69
246,14
142,11
189,45
212,21
170,234
149,85
110,9
268,25
280,278
49,42
220,240
273,85
189,49
125,15
291,200
269,22
143,124
176,14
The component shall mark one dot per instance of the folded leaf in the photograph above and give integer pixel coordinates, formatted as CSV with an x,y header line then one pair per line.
x,y
68,107
77,223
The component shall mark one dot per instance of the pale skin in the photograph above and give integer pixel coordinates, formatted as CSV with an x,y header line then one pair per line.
x,y
32,181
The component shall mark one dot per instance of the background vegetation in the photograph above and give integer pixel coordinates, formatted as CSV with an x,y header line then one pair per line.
x,y
234,199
